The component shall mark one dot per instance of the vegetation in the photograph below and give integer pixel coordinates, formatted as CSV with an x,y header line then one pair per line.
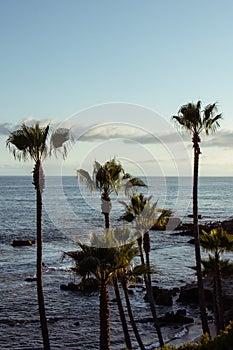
x,y
217,241
104,259
31,143
108,258
223,341
108,178
145,215
195,121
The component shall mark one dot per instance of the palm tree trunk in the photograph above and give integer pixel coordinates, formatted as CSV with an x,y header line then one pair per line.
x,y
139,240
215,305
122,315
146,245
219,305
205,326
107,220
104,317
38,174
130,313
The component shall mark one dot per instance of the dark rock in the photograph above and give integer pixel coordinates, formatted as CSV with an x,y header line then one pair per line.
x,y
70,286
86,285
163,296
30,279
189,295
170,318
77,323
228,225
191,216
89,285
130,291
22,243
178,317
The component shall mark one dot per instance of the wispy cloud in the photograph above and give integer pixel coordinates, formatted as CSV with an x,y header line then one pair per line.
x,y
128,133
5,128
223,139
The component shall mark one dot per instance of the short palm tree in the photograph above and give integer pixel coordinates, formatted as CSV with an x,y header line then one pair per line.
x,y
195,121
31,143
144,215
217,241
103,259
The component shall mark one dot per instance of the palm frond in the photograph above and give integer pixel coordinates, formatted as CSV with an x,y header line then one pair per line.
x,y
85,177
61,141
28,142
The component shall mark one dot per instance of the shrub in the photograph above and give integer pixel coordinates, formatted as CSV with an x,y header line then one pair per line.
x,y
223,341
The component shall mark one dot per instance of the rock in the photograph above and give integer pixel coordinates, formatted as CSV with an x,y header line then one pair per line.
x,y
178,317
191,216
170,318
22,243
30,279
77,323
86,285
163,296
130,291
189,295
70,286
228,225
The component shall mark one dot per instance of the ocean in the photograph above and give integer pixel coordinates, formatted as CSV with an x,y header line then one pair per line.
x,y
70,212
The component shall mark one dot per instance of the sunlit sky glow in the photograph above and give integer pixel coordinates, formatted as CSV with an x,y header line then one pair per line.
x,y
71,63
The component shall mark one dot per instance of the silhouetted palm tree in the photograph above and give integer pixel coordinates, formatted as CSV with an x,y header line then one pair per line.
x,y
103,260
217,241
108,178
194,120
144,216
31,143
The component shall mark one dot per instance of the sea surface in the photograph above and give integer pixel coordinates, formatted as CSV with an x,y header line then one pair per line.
x,y
70,212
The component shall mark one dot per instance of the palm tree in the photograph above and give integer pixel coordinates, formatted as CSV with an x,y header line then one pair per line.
x,y
124,240
108,178
145,216
31,143
103,262
194,120
217,241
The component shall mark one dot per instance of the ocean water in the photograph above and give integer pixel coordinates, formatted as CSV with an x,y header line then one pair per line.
x,y
70,212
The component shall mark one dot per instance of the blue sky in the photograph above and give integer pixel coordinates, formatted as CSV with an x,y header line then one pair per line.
x,y
62,57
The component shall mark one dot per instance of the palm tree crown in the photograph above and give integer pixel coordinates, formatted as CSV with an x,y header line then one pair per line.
x,y
193,119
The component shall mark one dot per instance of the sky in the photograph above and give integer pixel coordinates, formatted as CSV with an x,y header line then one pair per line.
x,y
115,72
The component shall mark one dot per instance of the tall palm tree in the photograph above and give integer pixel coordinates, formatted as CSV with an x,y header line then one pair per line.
x,y
31,143
217,241
194,120
144,215
108,178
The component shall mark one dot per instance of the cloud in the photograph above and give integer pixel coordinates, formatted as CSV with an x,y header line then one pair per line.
x,y
222,139
4,128
129,134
